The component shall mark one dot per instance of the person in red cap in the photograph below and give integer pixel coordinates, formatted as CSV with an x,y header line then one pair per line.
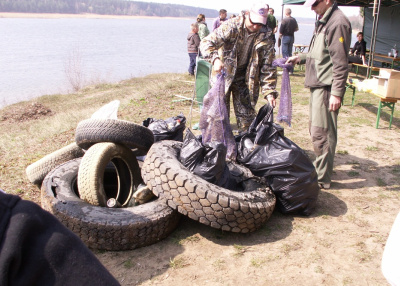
x,y
244,49
326,76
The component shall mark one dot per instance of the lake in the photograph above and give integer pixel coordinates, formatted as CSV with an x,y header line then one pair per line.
x,y
36,55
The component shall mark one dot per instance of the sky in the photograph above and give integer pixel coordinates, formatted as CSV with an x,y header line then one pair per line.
x,y
237,6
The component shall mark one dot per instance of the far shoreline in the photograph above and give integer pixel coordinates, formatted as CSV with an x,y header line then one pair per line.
x,y
85,16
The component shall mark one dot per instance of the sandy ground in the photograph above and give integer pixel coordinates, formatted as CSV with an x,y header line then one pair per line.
x,y
340,244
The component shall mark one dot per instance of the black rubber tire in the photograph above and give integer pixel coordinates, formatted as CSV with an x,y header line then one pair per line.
x,y
133,136
93,167
100,227
200,200
37,171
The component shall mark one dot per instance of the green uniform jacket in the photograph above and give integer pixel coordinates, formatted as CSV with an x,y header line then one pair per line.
x,y
327,59
260,72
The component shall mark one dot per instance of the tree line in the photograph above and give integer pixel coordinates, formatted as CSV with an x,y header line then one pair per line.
x,y
103,7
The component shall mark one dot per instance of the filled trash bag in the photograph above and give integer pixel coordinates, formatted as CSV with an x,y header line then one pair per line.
x,y
169,129
214,120
286,167
108,111
205,160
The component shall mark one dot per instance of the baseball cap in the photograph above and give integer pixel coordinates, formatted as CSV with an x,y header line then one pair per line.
x,y
259,13
309,3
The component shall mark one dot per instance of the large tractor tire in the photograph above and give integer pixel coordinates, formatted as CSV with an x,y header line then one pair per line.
x,y
102,227
243,211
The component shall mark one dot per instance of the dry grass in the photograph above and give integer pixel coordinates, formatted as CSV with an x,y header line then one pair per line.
x,y
340,244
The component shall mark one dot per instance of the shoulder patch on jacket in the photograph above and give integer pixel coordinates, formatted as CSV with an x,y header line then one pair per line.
x,y
341,39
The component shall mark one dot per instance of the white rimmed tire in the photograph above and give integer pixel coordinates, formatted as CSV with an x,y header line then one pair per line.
x,y
39,169
93,169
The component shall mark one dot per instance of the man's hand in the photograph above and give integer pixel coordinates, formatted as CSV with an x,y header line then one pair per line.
x,y
218,65
272,101
334,102
294,60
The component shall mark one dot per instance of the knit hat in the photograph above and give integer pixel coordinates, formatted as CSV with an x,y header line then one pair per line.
x,y
259,13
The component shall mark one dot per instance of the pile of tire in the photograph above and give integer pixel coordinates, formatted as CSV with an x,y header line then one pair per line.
x,y
104,159
78,181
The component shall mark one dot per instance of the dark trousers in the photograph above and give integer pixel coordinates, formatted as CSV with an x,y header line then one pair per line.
x,y
242,103
355,59
287,46
192,65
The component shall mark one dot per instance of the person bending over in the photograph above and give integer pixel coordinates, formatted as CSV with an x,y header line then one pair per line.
x,y
248,51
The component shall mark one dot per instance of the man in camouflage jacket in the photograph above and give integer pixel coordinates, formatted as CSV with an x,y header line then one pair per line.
x,y
243,47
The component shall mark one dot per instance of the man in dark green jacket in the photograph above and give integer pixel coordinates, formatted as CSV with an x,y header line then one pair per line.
x,y
326,75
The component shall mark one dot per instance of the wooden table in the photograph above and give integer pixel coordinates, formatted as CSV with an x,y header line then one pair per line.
x,y
383,102
299,48
372,69
388,62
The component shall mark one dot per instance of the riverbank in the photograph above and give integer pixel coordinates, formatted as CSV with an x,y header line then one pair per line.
x,y
80,16
340,244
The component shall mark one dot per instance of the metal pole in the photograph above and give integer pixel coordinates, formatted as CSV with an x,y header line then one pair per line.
x,y
283,8
373,36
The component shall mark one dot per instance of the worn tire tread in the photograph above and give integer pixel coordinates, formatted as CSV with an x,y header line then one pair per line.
x,y
200,200
105,228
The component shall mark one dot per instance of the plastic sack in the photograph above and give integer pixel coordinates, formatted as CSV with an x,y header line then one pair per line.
x,y
214,120
170,129
286,167
391,255
206,161
108,111
285,103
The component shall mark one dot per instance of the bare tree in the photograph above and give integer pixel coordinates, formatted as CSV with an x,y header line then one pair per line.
x,y
74,70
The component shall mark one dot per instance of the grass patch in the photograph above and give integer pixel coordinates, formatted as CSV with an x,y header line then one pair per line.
x,y
380,182
372,148
177,263
353,174
257,262
219,264
240,250
128,264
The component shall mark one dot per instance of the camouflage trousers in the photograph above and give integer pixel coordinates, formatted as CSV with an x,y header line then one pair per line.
x,y
323,131
242,106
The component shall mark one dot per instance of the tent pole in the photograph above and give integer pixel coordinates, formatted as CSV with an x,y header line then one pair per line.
x,y
373,36
283,8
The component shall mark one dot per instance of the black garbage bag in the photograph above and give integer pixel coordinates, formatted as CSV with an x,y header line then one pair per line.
x,y
170,129
286,167
206,161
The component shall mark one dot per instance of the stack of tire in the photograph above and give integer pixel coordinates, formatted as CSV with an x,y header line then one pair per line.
x,y
78,181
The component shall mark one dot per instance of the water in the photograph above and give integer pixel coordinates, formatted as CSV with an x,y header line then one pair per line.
x,y
36,54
